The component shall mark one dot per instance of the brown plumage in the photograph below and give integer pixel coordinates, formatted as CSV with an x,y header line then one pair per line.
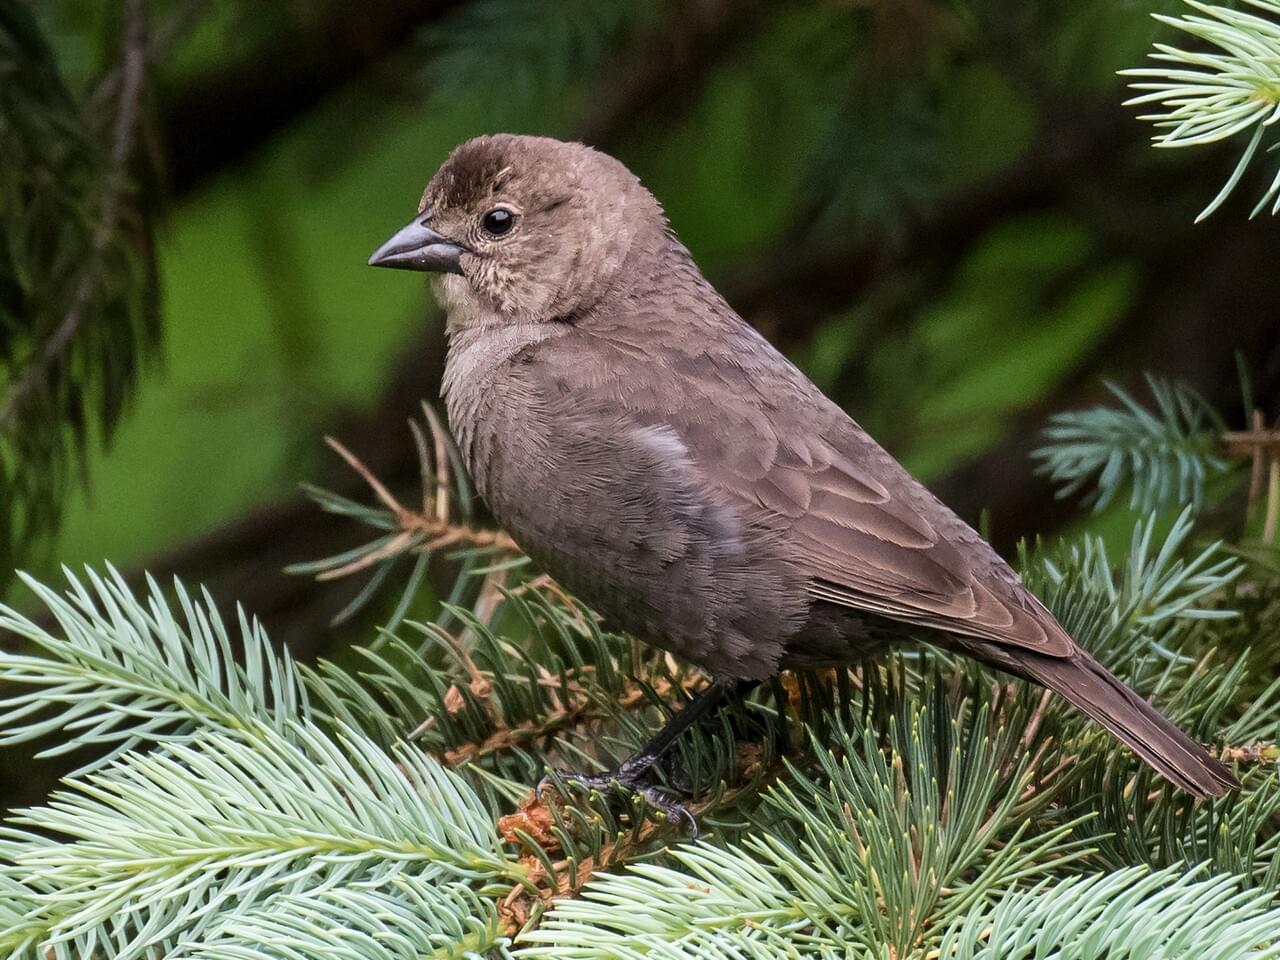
x,y
658,457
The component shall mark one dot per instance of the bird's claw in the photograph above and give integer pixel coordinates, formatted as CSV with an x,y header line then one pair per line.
x,y
673,809
656,798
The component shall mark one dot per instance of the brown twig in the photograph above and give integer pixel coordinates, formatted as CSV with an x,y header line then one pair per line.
x,y
576,708
1252,442
441,471
432,523
1272,518
1262,447
1258,466
367,475
1252,753
393,547
543,581
1037,716
479,684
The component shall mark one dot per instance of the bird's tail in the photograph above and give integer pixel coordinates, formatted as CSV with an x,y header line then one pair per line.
x,y
1092,689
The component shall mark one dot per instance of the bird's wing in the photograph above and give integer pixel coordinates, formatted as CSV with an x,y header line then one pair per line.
x,y
765,439
871,537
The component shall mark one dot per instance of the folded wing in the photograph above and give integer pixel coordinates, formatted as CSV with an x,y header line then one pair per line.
x,y
872,538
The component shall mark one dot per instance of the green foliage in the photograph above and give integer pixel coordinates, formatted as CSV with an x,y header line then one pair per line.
x,y
77,297
874,850
404,918
237,800
238,804
271,810
233,804
878,160
157,848
121,671
274,328
1164,457
1211,96
1131,913
566,670
1145,602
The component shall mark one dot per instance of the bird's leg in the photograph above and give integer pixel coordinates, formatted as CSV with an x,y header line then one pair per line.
x,y
632,774
702,705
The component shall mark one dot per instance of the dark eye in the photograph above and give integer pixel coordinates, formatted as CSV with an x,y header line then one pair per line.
x,y
498,221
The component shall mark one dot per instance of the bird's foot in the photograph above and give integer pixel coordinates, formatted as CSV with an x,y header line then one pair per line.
x,y
631,780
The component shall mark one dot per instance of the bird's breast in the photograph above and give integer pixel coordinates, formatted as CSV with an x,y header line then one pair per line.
x,y
481,398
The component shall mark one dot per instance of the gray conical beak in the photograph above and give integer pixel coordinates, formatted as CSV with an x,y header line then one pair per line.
x,y
417,247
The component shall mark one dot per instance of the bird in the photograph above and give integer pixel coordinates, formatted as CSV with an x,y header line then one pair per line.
x,y
655,454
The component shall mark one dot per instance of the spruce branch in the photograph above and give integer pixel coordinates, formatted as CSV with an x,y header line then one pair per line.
x,y
480,697
1143,606
584,828
406,917
121,671
876,850
1164,457
276,810
1130,913
930,795
19,934
241,798
1233,88
160,845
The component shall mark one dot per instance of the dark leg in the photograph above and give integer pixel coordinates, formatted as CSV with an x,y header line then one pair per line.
x,y
632,773
702,705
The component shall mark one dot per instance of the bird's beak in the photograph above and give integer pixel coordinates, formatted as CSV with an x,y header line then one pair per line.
x,y
417,247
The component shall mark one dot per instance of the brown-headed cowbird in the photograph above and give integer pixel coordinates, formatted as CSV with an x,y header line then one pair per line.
x,y
664,462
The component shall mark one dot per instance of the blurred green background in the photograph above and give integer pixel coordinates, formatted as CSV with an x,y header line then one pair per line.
x,y
940,210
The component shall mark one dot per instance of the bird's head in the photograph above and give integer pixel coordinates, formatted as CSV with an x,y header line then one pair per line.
x,y
524,229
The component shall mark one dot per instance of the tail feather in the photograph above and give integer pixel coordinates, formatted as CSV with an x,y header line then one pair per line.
x,y
1092,689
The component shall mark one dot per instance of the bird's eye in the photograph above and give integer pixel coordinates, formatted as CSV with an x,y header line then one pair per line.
x,y
498,221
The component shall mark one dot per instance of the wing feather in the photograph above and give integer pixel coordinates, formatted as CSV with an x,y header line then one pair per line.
x,y
870,537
